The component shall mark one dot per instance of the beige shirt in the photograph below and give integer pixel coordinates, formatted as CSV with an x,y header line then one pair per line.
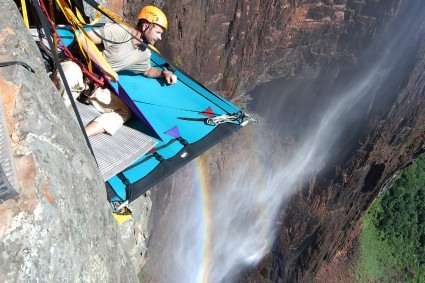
x,y
125,56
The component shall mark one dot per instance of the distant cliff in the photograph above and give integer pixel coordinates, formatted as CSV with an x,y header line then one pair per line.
x,y
233,46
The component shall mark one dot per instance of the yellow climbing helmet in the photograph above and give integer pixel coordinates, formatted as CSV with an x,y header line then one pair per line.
x,y
153,15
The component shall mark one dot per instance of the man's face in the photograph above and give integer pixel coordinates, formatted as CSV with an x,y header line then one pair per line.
x,y
153,33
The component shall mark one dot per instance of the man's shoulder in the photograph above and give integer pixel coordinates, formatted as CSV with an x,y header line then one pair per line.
x,y
117,32
116,27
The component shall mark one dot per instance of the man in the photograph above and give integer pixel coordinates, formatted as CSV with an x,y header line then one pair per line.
x,y
123,50
74,77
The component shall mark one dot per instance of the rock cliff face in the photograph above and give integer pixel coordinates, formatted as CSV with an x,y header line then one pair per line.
x,y
232,47
60,227
236,45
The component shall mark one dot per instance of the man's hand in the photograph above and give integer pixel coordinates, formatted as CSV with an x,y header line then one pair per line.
x,y
170,78
111,76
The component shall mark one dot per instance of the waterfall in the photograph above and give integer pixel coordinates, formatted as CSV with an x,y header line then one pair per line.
x,y
222,230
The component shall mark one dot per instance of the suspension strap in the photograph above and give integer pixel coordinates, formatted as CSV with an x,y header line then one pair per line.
x,y
154,153
76,24
52,17
126,182
43,20
78,7
123,179
108,13
58,41
25,13
96,79
108,40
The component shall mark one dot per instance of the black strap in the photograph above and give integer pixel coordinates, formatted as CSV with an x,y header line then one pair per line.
x,y
126,182
123,178
46,28
171,107
108,40
23,64
156,155
78,4
110,193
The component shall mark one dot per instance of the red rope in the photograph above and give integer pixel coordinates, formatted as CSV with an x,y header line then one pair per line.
x,y
97,79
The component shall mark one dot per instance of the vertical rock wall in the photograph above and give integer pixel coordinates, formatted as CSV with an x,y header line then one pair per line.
x,y
60,227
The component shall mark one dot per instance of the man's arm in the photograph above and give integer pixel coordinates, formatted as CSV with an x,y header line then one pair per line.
x,y
170,78
109,73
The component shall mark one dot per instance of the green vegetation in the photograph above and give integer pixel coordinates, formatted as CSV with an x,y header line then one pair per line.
x,y
392,242
178,61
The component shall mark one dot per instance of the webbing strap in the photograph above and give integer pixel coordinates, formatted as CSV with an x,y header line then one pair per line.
x,y
23,64
78,8
57,40
126,182
108,40
78,13
25,13
45,26
107,13
98,80
156,155
52,17
76,24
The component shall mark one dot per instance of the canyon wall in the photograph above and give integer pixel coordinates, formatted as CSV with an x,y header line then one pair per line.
x,y
233,46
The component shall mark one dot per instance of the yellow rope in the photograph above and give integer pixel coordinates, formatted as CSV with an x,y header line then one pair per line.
x,y
81,18
117,18
77,25
25,13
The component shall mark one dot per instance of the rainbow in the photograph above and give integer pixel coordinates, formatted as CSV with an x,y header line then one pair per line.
x,y
201,191
203,200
